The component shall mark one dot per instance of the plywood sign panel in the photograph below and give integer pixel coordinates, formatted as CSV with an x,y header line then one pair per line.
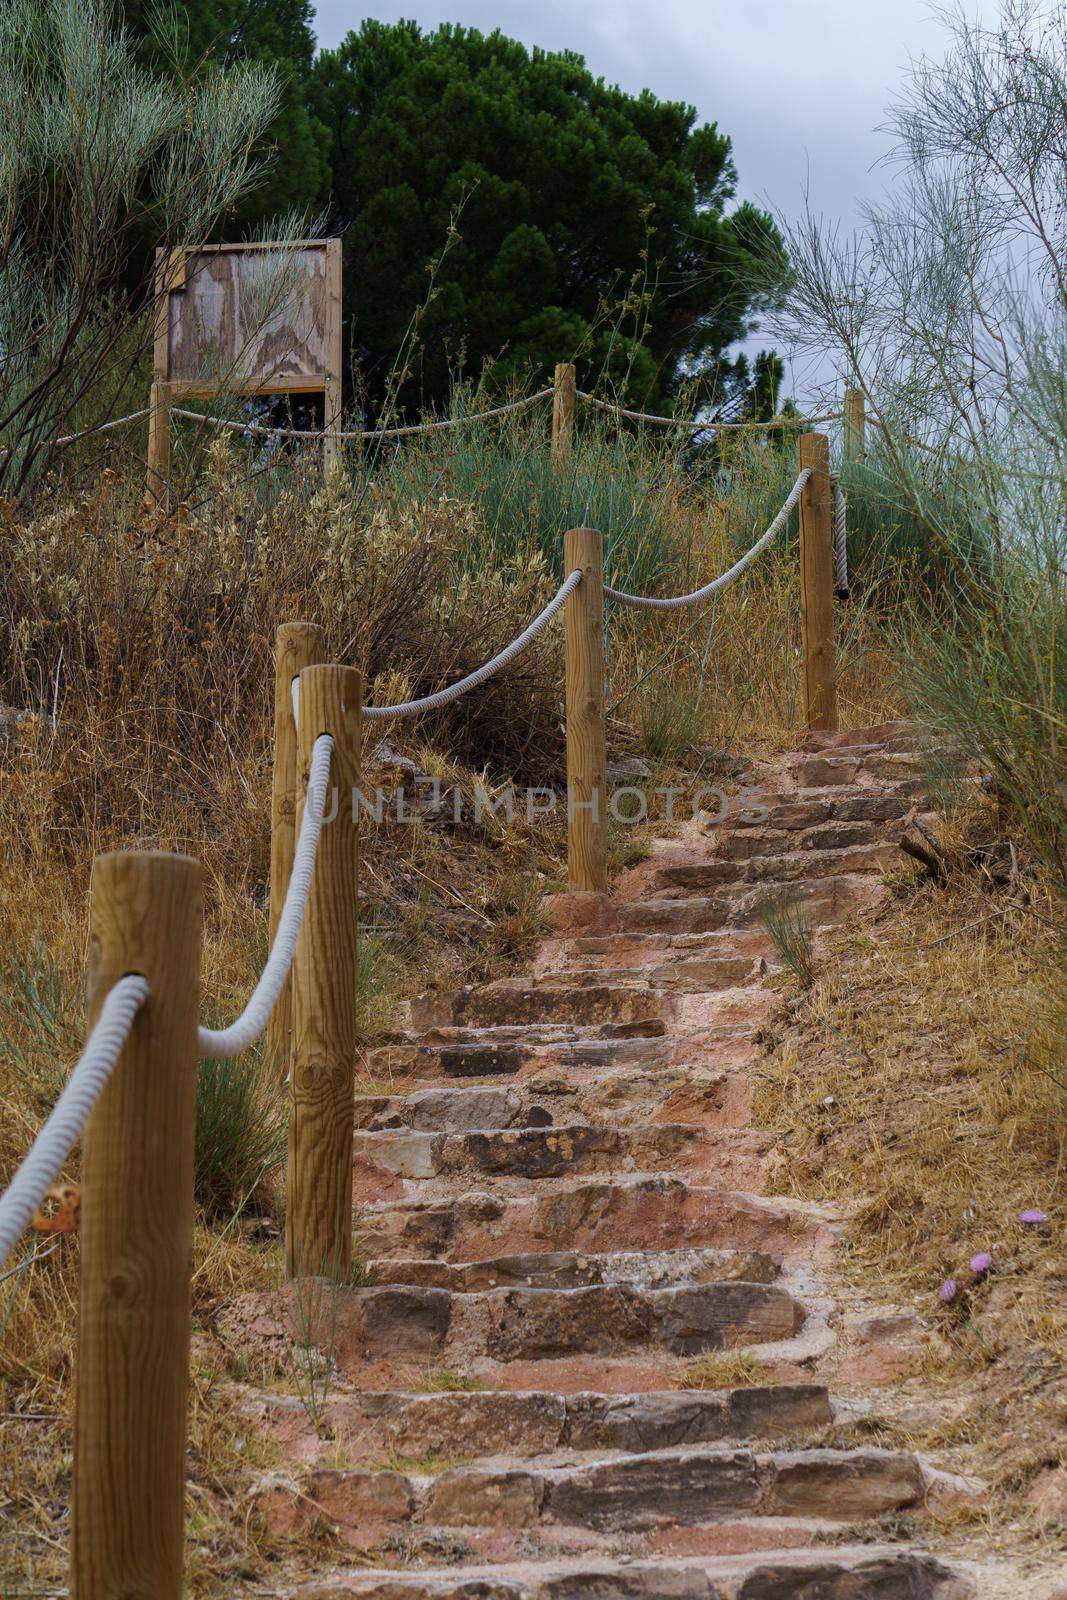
x,y
251,318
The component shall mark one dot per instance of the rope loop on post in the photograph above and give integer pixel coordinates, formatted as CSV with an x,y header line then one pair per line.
x,y
66,1123
716,586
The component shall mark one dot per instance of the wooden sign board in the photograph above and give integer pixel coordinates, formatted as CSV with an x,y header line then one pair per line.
x,y
245,319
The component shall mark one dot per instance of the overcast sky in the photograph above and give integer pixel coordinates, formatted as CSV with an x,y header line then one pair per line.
x,y
799,87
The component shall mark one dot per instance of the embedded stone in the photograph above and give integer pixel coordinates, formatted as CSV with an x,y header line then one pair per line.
x,y
409,1323
469,1495
652,1490
716,1316
847,1485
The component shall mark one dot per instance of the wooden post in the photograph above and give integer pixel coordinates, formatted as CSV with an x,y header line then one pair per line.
x,y
296,645
817,583
137,1238
158,486
332,409
318,1240
855,429
563,410
587,799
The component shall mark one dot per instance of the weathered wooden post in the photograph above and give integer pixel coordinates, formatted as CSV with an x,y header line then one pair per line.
x,y
587,855
296,645
158,485
137,1238
855,425
817,583
563,398
318,1239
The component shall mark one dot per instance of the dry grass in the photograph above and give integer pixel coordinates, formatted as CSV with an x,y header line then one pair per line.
x,y
735,1370
924,1086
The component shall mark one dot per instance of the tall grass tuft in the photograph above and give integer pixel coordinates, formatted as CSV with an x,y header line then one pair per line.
x,y
240,1130
782,914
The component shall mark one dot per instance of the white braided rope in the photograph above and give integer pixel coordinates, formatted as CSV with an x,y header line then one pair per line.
x,y
65,1125
841,583
361,433
221,1043
697,426
98,427
650,603
444,697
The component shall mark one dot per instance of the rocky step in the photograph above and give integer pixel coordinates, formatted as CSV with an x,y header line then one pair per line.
x,y
401,1323
800,810
471,1423
830,768
700,877
623,1494
518,1002
696,974
550,1099
506,1052
570,1269
635,951
846,1572
529,1153
742,844
661,1211
827,902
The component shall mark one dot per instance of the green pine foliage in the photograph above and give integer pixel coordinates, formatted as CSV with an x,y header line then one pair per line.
x,y
588,223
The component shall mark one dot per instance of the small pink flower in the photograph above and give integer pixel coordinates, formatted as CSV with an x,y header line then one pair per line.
x,y
1033,1219
981,1264
947,1291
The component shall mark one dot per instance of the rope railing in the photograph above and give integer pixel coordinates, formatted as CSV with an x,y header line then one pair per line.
x,y
397,432
695,425
716,586
84,433
88,1079
489,669
39,1168
841,583
222,1043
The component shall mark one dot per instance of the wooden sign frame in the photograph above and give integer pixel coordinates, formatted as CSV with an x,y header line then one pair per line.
x,y
314,368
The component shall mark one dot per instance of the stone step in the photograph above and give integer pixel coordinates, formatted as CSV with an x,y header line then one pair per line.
x,y
569,1269
551,1098
827,901
845,1572
399,1323
505,1052
530,1153
636,952
473,1423
833,768
804,809
518,1002
742,844
696,974
629,1494
625,1212
700,877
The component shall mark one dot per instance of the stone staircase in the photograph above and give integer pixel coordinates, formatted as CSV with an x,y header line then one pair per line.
x,y
559,1206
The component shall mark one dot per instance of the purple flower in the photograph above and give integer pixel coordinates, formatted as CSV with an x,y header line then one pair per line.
x,y
1033,1219
981,1264
947,1291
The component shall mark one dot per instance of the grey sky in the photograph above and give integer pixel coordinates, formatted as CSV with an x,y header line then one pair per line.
x,y
800,88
